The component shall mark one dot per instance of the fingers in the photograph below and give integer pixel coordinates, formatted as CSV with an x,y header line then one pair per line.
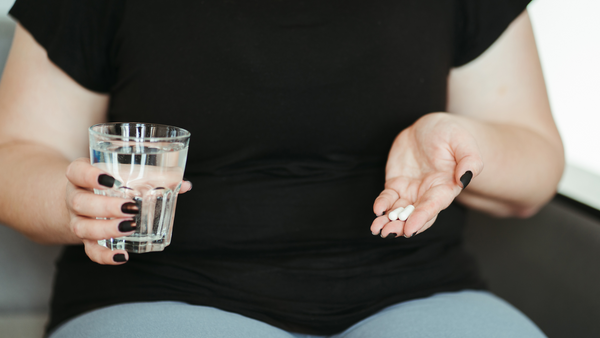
x,y
417,222
82,174
95,229
383,226
84,206
469,163
378,224
102,255
424,215
425,227
385,201
429,206
91,230
85,203
185,186
393,229
428,173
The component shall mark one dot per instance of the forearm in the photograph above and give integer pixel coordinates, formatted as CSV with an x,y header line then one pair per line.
x,y
521,169
33,193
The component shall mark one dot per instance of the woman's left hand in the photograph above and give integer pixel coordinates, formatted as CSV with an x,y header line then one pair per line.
x,y
429,164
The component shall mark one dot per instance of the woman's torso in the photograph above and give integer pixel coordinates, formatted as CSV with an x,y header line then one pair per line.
x,y
292,108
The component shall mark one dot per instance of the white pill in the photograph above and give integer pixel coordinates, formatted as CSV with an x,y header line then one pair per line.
x,y
393,215
406,212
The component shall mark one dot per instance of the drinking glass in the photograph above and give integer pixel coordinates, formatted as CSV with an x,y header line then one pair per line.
x,y
147,161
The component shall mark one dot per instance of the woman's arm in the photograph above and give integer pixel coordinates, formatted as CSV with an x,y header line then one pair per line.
x,y
46,194
501,99
500,128
44,116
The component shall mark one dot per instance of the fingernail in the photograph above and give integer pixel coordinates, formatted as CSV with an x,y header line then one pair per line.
x,y
119,258
106,180
413,235
130,208
190,182
127,226
465,179
392,235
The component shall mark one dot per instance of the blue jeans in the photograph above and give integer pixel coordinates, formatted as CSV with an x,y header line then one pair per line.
x,y
462,314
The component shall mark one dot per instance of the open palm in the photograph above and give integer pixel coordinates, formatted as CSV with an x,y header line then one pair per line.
x,y
428,165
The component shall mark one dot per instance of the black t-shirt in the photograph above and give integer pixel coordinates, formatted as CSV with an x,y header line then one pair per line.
x,y
292,106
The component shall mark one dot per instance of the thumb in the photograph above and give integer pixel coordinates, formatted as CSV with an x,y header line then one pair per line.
x,y
469,163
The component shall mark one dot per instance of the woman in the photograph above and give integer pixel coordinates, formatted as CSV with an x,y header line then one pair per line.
x,y
293,107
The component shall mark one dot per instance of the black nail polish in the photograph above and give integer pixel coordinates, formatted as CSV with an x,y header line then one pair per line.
x,y
130,208
106,180
127,226
465,179
392,235
119,258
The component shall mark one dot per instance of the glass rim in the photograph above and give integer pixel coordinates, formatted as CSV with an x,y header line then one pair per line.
x,y
186,133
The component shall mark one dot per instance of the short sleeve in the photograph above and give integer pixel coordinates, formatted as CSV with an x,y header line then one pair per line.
x,y
78,35
481,22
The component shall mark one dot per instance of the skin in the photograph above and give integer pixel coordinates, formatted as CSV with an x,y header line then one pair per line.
x,y
49,196
499,117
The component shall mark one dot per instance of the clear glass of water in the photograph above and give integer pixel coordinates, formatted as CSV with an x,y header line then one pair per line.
x,y
147,161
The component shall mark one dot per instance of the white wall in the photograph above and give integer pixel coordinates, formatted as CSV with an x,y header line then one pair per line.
x,y
568,37
5,6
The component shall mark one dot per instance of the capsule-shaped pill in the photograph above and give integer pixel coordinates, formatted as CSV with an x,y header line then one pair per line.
x,y
393,215
406,212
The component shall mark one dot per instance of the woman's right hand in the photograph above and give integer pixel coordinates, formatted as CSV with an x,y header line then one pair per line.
x,y
85,206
